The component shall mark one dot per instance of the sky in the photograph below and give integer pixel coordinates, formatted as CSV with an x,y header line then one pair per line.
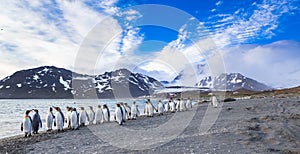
x,y
160,38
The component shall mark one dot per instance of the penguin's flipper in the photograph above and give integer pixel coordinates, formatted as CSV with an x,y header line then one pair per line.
x,y
22,126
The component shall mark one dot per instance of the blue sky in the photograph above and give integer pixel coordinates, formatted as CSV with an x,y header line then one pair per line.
x,y
259,39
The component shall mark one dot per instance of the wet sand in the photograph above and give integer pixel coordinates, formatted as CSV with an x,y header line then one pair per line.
x,y
266,125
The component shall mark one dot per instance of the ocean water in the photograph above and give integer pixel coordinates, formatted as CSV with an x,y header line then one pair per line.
x,y
12,110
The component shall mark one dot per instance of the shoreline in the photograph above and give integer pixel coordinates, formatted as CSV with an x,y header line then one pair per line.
x,y
262,125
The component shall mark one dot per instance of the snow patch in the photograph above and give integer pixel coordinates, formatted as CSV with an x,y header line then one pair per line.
x,y
19,85
66,83
7,78
36,77
132,82
7,87
45,69
102,87
82,78
1,86
236,81
117,78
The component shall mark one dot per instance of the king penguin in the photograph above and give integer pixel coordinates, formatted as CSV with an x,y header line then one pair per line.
x,y
26,125
119,114
188,104
106,113
150,109
83,117
172,106
167,106
99,115
134,111
74,119
124,111
160,108
91,115
182,105
49,119
36,122
214,101
59,119
68,116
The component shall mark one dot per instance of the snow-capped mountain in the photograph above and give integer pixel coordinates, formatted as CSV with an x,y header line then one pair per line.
x,y
53,82
190,75
232,82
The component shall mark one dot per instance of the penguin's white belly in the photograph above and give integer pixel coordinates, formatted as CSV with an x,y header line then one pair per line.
x,y
49,121
214,101
160,108
182,106
172,107
167,107
59,121
27,127
105,115
91,117
188,105
68,117
133,111
82,118
74,120
98,117
150,110
119,116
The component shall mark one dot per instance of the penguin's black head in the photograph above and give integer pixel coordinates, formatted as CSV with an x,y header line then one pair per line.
x,y
27,112
50,109
118,105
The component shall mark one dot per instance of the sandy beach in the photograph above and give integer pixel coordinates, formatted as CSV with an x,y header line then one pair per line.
x,y
265,125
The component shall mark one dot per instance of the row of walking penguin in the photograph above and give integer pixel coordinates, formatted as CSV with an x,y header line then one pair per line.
x,y
75,119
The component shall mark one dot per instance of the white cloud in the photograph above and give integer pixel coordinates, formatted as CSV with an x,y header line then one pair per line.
x,y
178,57
35,34
109,6
276,64
218,3
243,25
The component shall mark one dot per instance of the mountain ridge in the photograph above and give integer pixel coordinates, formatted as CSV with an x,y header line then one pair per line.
x,y
232,82
59,83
